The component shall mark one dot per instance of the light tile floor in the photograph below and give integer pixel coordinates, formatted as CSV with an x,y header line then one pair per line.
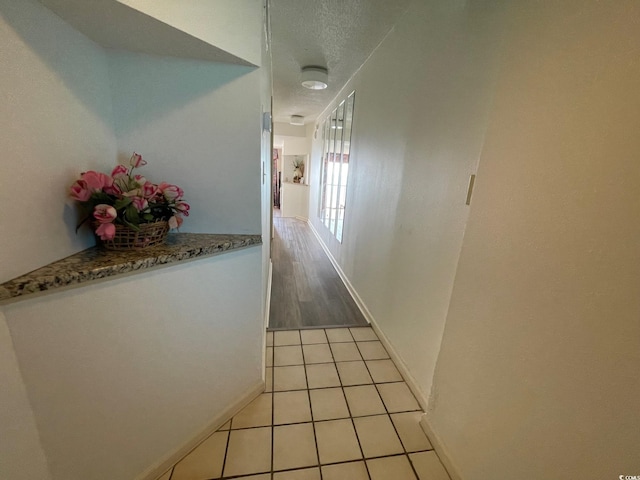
x,y
335,408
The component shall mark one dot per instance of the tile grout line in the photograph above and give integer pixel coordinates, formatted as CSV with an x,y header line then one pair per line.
x,y
331,419
273,402
406,454
345,361
319,464
224,462
329,464
303,328
387,414
353,423
226,448
313,421
313,424
325,388
364,459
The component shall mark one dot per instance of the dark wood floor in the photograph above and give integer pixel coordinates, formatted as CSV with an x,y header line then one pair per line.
x,y
306,290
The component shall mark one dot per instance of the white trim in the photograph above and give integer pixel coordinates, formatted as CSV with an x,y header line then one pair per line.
x,y
438,446
267,310
440,449
160,468
267,304
352,291
397,359
302,219
402,367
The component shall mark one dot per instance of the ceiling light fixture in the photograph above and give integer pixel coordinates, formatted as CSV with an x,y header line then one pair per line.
x,y
296,120
315,78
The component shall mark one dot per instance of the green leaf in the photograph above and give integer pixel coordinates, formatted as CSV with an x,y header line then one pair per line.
x,y
131,214
122,202
131,225
101,197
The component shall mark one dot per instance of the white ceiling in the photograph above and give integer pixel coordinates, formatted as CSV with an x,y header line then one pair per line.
x,y
111,24
336,34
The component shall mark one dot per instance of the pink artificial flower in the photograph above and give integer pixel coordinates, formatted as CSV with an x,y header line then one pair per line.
x,y
80,192
112,190
136,160
105,213
170,192
175,222
96,181
136,192
183,208
106,231
140,180
140,203
149,190
120,171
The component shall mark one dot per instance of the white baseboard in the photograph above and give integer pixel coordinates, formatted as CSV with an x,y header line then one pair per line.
x,y
267,306
440,449
397,359
404,371
267,309
352,291
402,367
156,471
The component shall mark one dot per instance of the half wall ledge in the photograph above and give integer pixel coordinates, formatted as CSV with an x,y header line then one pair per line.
x,y
95,264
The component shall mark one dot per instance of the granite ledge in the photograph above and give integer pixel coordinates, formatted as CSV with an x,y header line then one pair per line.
x,y
95,263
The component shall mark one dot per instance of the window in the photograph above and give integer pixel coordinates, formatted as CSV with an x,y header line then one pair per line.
x,y
336,148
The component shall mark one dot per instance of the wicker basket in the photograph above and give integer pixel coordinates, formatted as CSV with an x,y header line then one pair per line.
x,y
150,234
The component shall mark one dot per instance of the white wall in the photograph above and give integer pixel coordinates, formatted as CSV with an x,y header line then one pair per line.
x,y
538,372
21,454
55,122
288,130
198,124
295,142
294,200
232,25
421,110
93,379
293,139
266,152
293,145
133,369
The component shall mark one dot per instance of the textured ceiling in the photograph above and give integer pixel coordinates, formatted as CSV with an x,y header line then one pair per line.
x,y
337,34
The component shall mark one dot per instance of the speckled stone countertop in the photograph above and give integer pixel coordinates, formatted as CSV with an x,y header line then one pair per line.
x,y
95,263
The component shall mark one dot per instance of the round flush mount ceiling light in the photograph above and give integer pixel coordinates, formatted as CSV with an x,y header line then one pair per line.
x,y
296,120
315,78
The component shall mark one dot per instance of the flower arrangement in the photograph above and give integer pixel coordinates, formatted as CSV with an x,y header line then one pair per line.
x,y
298,169
123,198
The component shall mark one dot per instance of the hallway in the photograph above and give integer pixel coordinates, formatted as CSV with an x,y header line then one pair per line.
x,y
306,290
335,408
